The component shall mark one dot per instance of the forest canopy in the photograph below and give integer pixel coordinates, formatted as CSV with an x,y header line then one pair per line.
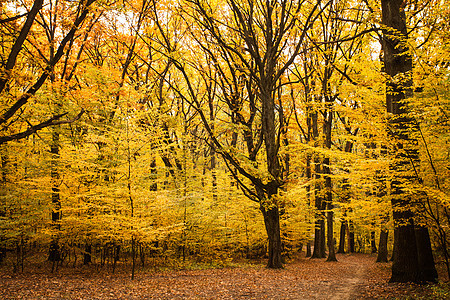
x,y
216,130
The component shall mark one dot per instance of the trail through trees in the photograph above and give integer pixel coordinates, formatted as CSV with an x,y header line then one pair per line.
x,y
354,276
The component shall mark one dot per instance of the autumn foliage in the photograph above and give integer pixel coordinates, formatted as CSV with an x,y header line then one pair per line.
x,y
160,133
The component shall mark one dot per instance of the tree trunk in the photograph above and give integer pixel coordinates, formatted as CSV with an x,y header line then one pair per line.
x,y
407,265
272,224
319,239
351,237
373,242
153,176
330,242
329,199
326,129
116,253
382,246
308,249
425,255
213,153
4,172
319,231
342,236
54,251
395,245
133,257
87,257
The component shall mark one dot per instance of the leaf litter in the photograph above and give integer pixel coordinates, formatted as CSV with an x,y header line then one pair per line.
x,y
354,276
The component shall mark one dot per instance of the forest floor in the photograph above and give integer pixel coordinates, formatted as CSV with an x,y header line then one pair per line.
x,y
354,276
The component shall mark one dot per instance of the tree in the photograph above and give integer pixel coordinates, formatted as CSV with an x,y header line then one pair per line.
x,y
12,111
410,263
253,52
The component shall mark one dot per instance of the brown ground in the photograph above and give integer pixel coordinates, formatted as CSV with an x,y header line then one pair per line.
x,y
355,276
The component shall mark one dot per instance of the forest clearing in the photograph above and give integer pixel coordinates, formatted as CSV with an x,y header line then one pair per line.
x,y
355,276
160,148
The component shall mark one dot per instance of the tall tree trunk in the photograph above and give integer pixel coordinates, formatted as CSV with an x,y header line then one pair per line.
x,y
407,266
54,251
271,213
319,230
328,116
213,153
384,232
3,182
308,199
308,171
344,231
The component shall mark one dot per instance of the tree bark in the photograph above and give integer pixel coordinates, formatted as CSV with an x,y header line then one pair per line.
x,y
317,253
382,246
425,255
330,238
351,237
54,251
373,244
319,230
4,172
308,249
407,265
342,236
328,116
272,224
87,255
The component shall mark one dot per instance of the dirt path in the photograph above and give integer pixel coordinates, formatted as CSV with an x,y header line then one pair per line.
x,y
303,279
347,288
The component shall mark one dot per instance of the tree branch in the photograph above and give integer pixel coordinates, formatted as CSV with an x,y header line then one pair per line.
x,y
31,91
19,42
7,20
33,129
